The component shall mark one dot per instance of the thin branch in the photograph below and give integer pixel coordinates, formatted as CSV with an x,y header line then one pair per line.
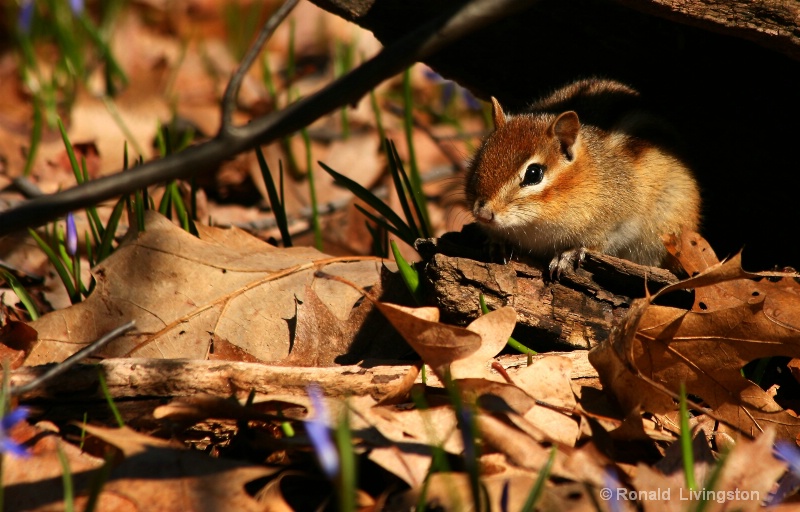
x,y
72,360
421,43
232,90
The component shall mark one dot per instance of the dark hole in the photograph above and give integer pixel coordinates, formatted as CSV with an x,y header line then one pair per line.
x,y
703,306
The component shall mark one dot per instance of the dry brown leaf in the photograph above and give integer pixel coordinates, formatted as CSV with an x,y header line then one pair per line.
x,y
735,320
185,293
665,483
34,483
548,380
748,474
494,329
441,345
155,475
451,492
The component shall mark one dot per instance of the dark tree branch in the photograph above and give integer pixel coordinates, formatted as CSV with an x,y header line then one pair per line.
x,y
423,42
232,91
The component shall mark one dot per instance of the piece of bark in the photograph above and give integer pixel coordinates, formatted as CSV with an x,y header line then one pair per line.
x,y
575,311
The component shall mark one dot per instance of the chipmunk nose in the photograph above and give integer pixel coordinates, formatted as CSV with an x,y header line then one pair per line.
x,y
483,213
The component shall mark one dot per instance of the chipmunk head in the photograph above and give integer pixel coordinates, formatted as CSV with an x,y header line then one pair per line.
x,y
521,170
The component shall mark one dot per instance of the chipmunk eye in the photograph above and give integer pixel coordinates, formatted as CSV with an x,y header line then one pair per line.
x,y
534,175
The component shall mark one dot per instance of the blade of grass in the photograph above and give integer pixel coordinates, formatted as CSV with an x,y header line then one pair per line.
x,y
101,378
66,480
312,192
36,137
73,162
516,345
348,479
538,486
275,202
22,293
378,234
418,199
409,274
58,264
400,228
408,123
385,225
686,442
376,111
111,229
402,192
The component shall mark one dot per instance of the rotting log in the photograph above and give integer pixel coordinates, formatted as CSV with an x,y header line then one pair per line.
x,y
574,311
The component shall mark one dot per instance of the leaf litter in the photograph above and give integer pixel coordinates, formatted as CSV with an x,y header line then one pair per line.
x,y
209,298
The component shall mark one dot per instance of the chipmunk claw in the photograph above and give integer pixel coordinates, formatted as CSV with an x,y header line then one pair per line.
x,y
567,260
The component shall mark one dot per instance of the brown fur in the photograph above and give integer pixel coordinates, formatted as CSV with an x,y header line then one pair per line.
x,y
606,187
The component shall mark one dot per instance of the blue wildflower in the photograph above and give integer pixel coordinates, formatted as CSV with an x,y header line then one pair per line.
x,y
8,445
25,17
610,491
72,235
317,428
450,89
76,6
790,453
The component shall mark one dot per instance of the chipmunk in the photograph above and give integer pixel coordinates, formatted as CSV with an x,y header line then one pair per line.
x,y
584,168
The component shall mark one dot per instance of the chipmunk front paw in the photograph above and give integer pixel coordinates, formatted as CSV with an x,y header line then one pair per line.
x,y
567,260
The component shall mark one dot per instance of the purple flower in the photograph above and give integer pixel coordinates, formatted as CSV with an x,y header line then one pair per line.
x,y
76,6
611,488
790,453
788,484
8,445
450,89
72,235
317,428
25,17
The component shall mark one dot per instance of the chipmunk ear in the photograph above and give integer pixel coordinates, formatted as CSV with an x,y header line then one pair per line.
x,y
565,128
498,116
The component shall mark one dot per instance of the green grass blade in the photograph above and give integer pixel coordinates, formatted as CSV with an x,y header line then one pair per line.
x,y
275,202
73,162
376,111
58,264
101,378
36,137
686,442
514,344
378,234
105,248
180,207
382,223
66,479
409,274
89,250
22,293
312,192
417,197
347,474
416,179
402,191
165,206
400,227
538,486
